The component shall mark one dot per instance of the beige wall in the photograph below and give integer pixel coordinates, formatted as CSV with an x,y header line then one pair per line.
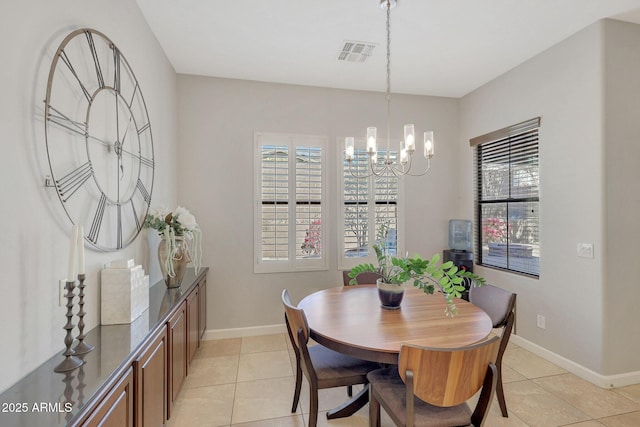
x,y
622,196
35,238
217,118
586,91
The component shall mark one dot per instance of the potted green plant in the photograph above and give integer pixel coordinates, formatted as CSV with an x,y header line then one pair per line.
x,y
426,274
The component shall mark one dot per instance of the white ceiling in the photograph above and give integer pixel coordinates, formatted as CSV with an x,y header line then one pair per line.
x,y
438,47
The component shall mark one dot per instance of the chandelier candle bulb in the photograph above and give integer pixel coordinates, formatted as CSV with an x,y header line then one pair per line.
x,y
349,148
409,138
404,157
371,140
428,144
72,253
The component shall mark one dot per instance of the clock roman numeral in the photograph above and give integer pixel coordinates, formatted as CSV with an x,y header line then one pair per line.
x,y
119,241
94,54
62,120
71,182
116,69
133,96
135,216
144,127
65,59
147,162
143,191
97,219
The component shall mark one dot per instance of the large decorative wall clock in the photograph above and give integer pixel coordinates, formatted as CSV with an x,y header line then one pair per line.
x,y
98,138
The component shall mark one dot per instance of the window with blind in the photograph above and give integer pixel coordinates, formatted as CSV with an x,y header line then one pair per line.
x,y
367,204
507,198
290,202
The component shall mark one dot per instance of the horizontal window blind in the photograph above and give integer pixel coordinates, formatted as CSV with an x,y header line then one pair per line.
x,y
507,198
275,200
308,202
290,206
368,203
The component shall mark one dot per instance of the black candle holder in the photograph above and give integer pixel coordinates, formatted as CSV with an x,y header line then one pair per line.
x,y
70,362
82,347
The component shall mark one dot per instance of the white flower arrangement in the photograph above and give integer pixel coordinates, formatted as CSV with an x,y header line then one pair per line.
x,y
170,224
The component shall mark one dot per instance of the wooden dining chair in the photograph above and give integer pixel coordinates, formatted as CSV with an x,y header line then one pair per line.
x,y
366,278
430,386
500,305
323,367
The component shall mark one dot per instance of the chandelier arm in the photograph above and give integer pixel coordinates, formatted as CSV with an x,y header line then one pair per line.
x,y
421,173
372,168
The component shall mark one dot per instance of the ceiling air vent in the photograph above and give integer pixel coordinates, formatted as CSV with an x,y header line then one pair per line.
x,y
356,51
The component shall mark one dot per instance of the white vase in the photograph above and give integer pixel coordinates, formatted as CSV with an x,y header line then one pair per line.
x,y
173,258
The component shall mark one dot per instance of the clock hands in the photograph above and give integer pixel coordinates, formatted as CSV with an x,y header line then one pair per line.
x,y
80,128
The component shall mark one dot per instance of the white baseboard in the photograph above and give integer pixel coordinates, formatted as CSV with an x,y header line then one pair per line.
x,y
216,334
604,381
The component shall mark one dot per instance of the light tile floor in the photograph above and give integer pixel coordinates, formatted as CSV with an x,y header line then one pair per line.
x,y
249,382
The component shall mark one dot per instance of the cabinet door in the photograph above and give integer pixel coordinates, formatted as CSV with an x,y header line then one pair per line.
x,y
202,313
192,324
151,382
116,408
178,353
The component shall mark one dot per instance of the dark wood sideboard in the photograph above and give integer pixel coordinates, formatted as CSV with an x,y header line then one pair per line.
x,y
133,375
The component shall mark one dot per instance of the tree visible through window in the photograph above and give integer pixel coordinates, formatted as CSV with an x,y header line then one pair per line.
x,y
290,207
507,198
367,204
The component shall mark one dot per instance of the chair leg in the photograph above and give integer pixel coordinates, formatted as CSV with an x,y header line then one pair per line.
x,y
296,394
374,409
500,393
313,406
350,390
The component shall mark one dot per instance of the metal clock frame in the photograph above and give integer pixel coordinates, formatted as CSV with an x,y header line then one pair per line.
x,y
69,183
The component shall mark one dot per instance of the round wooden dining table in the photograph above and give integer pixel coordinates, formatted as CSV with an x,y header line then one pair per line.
x,y
350,320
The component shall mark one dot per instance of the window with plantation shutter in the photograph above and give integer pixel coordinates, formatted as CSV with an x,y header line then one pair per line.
x,y
290,202
507,198
367,204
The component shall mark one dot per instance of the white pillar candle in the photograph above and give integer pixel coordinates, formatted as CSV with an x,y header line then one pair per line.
x,y
72,254
81,249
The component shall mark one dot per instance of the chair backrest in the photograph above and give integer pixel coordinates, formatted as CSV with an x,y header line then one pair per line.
x,y
496,302
366,278
447,377
296,320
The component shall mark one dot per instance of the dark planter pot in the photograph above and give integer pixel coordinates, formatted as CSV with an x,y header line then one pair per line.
x,y
390,295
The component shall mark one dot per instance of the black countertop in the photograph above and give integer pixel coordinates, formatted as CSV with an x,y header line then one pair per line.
x,y
45,398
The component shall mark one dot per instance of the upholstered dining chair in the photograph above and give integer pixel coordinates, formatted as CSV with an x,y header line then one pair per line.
x,y
430,386
500,305
366,278
323,367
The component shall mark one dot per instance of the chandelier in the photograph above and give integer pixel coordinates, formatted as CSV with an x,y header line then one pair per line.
x,y
402,165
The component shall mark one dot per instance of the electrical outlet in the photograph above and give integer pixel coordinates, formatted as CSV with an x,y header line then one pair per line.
x,y
541,321
585,250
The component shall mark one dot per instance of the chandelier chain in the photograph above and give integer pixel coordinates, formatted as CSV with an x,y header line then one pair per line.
x,y
403,167
388,48
388,154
